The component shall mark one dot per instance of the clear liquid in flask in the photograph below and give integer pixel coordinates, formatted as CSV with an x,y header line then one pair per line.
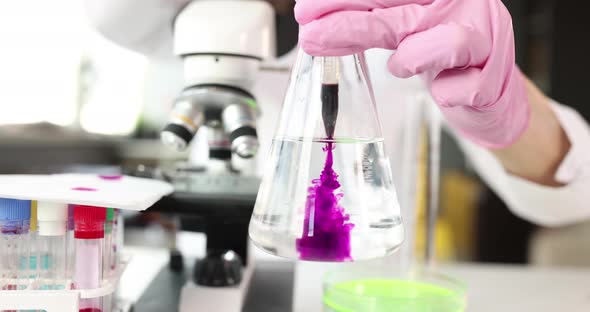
x,y
327,200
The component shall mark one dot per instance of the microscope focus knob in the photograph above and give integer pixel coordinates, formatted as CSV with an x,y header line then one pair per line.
x,y
219,269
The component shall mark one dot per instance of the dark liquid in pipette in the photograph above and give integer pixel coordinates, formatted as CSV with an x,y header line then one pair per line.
x,y
326,230
329,96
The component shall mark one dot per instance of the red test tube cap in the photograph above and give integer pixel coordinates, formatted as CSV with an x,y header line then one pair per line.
x,y
89,222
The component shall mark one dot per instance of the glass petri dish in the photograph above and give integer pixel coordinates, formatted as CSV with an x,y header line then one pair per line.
x,y
415,291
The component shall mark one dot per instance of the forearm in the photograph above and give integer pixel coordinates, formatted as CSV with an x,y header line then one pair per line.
x,y
538,153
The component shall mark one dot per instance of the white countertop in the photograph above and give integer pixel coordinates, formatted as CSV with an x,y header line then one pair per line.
x,y
491,288
517,288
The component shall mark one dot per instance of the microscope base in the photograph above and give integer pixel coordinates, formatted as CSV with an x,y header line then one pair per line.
x,y
270,280
194,297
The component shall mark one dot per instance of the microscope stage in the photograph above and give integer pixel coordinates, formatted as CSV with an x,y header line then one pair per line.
x,y
207,195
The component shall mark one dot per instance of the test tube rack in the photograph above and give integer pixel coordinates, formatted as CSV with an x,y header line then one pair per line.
x,y
58,300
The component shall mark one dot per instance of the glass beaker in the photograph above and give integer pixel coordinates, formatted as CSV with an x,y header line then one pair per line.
x,y
409,284
327,193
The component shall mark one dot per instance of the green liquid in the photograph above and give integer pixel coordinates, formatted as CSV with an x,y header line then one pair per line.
x,y
391,296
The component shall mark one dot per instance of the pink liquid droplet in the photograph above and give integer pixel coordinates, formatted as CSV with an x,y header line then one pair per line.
x,y
84,189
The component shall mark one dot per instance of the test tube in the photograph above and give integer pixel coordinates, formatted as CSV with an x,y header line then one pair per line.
x,y
89,225
110,252
116,238
109,239
14,228
52,254
119,230
33,242
70,248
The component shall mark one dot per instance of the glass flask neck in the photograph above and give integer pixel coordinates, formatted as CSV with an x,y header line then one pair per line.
x,y
343,79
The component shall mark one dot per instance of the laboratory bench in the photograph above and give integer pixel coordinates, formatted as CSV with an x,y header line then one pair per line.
x,y
491,288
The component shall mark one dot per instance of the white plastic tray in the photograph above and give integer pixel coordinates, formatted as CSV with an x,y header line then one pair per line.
x,y
122,192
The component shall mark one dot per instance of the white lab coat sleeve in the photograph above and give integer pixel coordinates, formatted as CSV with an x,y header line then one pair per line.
x,y
144,26
546,206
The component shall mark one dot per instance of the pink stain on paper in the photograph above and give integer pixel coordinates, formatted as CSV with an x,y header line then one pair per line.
x,y
111,177
90,310
84,189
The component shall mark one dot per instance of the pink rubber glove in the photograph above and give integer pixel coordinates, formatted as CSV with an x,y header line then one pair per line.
x,y
464,49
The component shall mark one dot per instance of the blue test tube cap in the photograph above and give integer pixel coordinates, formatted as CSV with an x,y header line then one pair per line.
x,y
15,209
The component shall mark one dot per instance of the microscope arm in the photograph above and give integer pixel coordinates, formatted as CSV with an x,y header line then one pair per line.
x,y
144,26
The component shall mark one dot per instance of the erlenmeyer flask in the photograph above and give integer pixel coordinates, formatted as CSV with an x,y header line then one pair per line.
x,y
327,193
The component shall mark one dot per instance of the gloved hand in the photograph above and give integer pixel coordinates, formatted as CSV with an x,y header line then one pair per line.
x,y
464,49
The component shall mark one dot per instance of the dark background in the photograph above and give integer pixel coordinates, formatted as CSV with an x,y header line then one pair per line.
x,y
551,47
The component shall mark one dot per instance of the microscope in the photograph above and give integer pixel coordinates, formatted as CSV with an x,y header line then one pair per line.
x,y
222,44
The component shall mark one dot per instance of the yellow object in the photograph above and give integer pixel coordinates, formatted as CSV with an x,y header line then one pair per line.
x,y
445,249
459,198
443,246
33,221
455,228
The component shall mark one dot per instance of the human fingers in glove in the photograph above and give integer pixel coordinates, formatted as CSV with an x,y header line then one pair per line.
x,y
464,49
